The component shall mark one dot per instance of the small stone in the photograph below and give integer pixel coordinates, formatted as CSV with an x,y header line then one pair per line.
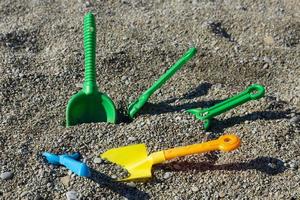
x,y
295,120
266,66
293,165
88,3
240,7
267,60
65,180
23,194
131,184
235,187
6,175
222,194
23,150
79,85
272,165
254,130
194,189
72,195
132,138
236,49
114,177
269,40
97,160
123,78
167,175
178,118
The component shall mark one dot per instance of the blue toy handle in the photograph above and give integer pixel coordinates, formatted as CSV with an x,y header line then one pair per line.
x,y
70,162
79,168
54,159
51,158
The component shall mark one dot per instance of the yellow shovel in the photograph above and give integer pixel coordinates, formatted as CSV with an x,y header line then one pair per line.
x,y
135,159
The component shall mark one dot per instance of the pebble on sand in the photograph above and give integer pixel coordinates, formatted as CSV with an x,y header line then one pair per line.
x,y
167,175
65,180
72,195
6,175
132,138
97,160
269,40
222,194
295,120
131,184
194,189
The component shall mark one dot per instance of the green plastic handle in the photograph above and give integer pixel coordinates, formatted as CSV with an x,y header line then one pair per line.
x,y
170,72
253,92
89,43
140,102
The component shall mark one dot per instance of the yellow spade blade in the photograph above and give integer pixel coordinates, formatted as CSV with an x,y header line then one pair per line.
x,y
133,158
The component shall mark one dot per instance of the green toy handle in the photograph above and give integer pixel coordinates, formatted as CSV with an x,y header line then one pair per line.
x,y
89,40
253,92
170,72
136,106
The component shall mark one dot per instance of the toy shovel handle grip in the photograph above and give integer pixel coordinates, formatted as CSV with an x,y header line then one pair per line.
x,y
79,168
89,43
54,159
256,91
253,92
170,72
224,143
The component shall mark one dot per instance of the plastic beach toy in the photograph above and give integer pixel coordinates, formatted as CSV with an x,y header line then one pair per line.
x,y
90,105
69,161
253,92
135,159
137,105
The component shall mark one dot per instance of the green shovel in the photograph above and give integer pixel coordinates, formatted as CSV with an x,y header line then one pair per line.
x,y
90,105
137,105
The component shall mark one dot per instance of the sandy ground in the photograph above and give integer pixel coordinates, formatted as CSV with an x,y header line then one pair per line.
x,y
239,43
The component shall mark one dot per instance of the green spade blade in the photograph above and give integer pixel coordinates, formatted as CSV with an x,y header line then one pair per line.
x,y
90,105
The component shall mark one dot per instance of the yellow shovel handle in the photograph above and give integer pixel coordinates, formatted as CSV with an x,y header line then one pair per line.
x,y
224,143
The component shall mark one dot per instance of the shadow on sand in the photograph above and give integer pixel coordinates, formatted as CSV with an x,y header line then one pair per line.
x,y
131,193
273,112
267,165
